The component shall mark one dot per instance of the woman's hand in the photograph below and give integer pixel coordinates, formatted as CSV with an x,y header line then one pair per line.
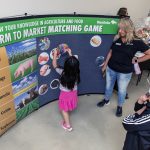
x,y
134,60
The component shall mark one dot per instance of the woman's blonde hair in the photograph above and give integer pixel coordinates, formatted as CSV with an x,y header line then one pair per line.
x,y
128,27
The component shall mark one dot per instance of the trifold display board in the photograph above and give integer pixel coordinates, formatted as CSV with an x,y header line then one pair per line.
x,y
27,79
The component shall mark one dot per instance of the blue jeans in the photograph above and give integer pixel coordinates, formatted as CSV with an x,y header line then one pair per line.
x,y
123,80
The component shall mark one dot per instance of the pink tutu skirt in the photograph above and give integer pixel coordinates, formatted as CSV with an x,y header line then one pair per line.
x,y
68,100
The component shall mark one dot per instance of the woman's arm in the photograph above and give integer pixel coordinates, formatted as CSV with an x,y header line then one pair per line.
x,y
107,60
140,103
138,106
140,111
145,57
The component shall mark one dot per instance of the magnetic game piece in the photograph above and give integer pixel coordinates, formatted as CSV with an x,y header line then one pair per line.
x,y
99,61
45,70
52,53
63,48
43,58
44,43
54,84
43,89
96,41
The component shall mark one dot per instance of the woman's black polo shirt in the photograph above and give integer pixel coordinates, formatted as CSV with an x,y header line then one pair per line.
x,y
122,54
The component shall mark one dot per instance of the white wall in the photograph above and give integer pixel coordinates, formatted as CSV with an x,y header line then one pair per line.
x,y
136,8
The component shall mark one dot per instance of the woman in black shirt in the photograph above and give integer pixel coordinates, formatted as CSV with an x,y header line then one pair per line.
x,y
119,62
122,13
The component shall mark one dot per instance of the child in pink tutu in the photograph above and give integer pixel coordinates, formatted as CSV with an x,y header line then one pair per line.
x,y
70,77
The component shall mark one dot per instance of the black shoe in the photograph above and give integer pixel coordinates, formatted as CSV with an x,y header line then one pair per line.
x,y
103,102
127,96
119,111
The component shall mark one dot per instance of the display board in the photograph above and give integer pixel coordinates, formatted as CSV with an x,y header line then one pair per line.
x,y
27,79
18,82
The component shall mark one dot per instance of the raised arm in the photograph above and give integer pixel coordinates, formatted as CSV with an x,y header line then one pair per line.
x,y
140,103
54,62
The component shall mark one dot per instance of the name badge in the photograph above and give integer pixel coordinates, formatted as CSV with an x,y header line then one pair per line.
x,y
129,44
118,43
